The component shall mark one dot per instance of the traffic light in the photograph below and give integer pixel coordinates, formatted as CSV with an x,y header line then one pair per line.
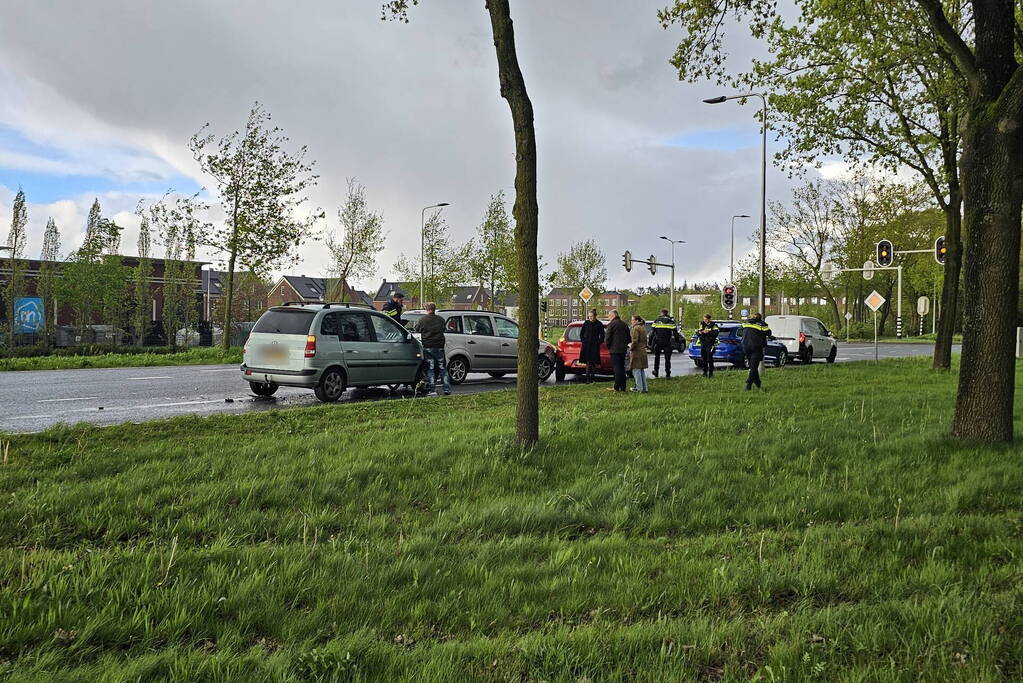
x,y
728,297
543,306
940,250
627,261
652,263
885,253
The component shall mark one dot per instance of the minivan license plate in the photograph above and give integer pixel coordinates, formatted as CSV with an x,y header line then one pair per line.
x,y
273,354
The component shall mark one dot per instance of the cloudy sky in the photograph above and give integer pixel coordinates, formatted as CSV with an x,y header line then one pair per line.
x,y
100,100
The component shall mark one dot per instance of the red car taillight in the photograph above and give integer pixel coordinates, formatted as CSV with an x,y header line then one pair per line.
x,y
310,346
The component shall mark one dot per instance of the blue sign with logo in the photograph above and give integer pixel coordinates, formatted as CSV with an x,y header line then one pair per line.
x,y
29,315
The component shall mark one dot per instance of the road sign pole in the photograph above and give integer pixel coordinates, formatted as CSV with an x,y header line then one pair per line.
x,y
898,307
875,336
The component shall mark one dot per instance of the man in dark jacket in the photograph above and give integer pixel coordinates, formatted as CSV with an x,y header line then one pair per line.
x,y
395,306
431,329
706,339
664,334
755,334
617,339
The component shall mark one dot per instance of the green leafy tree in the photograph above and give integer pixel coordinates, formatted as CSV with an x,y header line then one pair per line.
x,y
354,247
979,46
16,238
443,263
48,269
583,265
490,256
94,283
178,224
261,187
525,211
141,295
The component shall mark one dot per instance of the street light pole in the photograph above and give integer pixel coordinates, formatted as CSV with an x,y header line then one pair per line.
x,y
422,251
671,296
731,254
763,187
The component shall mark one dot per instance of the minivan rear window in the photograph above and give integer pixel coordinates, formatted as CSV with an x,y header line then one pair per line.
x,y
285,321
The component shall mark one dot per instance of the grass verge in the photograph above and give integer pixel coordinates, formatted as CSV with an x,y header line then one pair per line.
x,y
822,529
193,356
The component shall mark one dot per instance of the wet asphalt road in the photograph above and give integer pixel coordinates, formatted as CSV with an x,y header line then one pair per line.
x,y
34,400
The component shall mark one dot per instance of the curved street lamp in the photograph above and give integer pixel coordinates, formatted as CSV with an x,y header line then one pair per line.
x,y
671,298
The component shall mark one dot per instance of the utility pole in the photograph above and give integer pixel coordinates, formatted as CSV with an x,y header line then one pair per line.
x,y
671,298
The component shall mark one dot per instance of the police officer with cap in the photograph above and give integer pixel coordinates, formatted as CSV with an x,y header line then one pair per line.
x,y
755,334
663,336
707,339
394,307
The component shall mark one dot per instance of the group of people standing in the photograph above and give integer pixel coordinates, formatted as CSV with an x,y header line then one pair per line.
x,y
628,345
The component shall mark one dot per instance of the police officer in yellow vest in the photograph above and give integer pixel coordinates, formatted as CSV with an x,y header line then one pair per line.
x,y
663,335
707,339
755,334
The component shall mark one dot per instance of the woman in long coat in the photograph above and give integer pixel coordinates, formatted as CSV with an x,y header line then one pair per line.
x,y
637,354
592,336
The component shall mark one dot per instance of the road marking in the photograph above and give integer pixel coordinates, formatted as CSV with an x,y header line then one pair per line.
x,y
222,370
58,400
168,405
27,417
141,378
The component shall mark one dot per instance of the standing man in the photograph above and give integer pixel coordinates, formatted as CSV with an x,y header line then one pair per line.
x,y
431,328
755,334
395,306
617,339
665,334
707,339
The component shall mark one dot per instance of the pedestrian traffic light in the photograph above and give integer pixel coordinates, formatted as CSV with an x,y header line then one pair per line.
x,y
728,297
543,306
885,253
627,261
940,250
652,264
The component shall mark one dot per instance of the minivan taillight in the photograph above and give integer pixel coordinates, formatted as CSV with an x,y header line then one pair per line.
x,y
310,346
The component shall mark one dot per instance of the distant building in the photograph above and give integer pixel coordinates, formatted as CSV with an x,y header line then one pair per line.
x,y
383,295
314,290
470,299
250,295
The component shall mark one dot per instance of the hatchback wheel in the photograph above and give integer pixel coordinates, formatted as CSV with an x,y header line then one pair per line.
x,y
331,387
458,368
783,358
263,388
544,368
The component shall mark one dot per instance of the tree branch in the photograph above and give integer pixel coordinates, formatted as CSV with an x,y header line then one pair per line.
x,y
963,57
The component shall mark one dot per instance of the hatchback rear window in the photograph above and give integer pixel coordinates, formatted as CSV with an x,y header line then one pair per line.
x,y
285,321
572,333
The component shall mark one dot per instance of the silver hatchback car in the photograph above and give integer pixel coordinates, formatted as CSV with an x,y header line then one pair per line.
x,y
328,348
481,341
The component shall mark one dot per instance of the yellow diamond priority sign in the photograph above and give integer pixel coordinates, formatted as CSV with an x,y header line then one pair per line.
x,y
586,294
874,301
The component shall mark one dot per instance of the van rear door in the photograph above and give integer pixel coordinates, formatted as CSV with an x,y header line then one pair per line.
x,y
278,339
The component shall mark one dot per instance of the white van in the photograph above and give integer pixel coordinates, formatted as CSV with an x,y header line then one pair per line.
x,y
805,338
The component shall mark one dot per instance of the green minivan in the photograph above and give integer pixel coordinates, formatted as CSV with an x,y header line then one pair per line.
x,y
329,348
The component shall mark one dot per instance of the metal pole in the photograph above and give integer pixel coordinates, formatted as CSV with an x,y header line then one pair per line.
x,y
422,257
731,255
671,297
875,336
763,208
898,308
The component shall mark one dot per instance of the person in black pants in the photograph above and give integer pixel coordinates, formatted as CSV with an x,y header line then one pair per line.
x,y
755,334
707,338
664,334
592,336
617,339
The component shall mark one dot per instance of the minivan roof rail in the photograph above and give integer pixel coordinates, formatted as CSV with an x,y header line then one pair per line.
x,y
347,304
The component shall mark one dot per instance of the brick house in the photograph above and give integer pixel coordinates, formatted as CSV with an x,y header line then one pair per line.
x,y
311,290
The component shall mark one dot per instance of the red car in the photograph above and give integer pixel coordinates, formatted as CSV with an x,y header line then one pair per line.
x,y
567,355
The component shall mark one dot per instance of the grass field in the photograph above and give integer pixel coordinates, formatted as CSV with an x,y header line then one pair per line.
x,y
193,356
824,529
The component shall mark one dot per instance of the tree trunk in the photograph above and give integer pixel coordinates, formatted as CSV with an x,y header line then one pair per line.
x,y
225,342
992,199
525,210
950,284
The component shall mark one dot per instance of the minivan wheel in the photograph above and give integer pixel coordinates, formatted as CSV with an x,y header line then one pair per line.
x,y
544,368
331,387
263,388
458,368
833,355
